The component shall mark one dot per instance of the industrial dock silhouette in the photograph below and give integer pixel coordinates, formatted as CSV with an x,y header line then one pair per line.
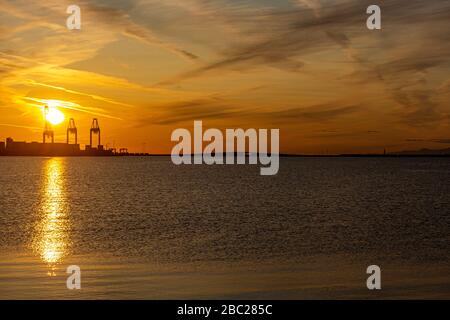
x,y
49,147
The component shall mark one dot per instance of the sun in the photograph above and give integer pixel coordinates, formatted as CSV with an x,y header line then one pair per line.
x,y
54,116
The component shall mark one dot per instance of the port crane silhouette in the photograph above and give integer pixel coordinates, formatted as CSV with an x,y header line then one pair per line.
x,y
72,129
95,129
48,132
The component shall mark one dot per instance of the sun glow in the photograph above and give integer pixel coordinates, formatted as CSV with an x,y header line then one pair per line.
x,y
54,116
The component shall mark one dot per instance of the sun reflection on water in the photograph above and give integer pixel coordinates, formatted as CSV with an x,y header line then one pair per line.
x,y
52,235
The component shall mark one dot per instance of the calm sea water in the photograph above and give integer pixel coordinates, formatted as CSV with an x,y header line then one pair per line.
x,y
142,228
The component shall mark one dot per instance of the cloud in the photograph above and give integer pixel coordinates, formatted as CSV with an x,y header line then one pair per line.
x,y
21,126
188,111
101,24
317,113
220,109
92,96
70,106
420,108
444,141
120,21
335,134
285,37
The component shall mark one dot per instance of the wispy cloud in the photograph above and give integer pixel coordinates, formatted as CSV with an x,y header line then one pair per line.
x,y
21,127
70,106
320,113
93,96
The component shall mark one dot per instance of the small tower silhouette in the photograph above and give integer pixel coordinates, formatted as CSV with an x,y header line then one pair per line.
x,y
48,132
72,129
95,129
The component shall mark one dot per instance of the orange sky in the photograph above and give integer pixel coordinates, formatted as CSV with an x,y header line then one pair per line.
x,y
310,68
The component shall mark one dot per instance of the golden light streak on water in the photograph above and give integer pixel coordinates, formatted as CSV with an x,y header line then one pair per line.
x,y
52,238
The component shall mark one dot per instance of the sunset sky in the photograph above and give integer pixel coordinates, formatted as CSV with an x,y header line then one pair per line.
x,y
308,67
